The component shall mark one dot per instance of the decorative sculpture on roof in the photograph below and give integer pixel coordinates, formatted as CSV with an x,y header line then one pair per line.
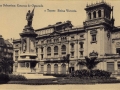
x,y
93,54
29,17
24,45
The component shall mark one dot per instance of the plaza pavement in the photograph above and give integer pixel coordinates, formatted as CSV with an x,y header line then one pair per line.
x,y
60,87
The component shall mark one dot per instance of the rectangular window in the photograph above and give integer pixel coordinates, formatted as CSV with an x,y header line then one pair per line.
x,y
56,40
110,66
118,50
42,42
49,54
22,64
72,37
16,58
41,50
93,37
72,46
41,56
118,65
81,53
63,53
72,54
56,53
81,36
16,52
81,45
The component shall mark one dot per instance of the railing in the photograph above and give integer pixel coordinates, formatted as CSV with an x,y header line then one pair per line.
x,y
72,49
81,49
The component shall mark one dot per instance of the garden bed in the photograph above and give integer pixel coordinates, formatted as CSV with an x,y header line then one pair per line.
x,y
62,81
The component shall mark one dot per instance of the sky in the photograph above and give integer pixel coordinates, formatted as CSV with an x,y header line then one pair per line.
x,y
13,19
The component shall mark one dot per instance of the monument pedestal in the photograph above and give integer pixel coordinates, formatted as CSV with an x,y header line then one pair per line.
x,y
28,58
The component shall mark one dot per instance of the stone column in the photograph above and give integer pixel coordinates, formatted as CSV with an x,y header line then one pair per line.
x,y
45,52
76,50
87,16
67,48
28,44
52,68
18,65
52,51
14,55
105,65
39,53
67,68
115,67
45,68
91,15
96,14
102,13
59,68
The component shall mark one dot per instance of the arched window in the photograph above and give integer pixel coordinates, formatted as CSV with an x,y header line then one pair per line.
x,y
55,69
63,49
99,13
49,51
94,14
48,69
56,50
63,69
89,15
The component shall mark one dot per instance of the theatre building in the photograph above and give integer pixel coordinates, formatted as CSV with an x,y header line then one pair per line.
x,y
60,47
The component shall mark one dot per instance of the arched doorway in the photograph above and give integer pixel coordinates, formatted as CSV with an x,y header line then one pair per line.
x,y
55,69
63,69
48,69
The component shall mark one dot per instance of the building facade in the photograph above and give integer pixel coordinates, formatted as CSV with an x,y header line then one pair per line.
x,y
60,47
6,56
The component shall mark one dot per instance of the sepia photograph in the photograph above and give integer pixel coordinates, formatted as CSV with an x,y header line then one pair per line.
x,y
59,45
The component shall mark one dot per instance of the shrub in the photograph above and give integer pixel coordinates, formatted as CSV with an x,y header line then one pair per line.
x,y
97,74
4,78
17,77
57,75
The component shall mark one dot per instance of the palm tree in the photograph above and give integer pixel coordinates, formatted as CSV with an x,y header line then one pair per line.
x,y
90,63
67,59
6,65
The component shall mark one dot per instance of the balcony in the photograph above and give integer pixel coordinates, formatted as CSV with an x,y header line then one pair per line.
x,y
81,49
72,56
72,49
81,56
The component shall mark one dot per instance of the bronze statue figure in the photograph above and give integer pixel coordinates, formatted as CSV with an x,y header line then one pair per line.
x,y
29,17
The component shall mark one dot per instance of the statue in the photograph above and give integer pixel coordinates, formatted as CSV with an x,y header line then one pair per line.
x,y
24,45
29,17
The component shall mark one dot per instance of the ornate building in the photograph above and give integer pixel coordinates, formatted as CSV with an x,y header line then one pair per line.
x,y
60,47
6,55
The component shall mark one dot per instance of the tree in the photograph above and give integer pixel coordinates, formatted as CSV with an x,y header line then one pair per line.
x,y
6,65
67,59
90,63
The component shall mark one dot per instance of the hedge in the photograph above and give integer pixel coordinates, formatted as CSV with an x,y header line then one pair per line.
x,y
4,78
57,75
91,74
16,77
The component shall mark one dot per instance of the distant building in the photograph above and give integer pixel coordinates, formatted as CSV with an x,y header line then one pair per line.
x,y
6,56
97,37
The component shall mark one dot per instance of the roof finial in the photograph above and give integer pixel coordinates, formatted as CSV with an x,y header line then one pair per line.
x,y
87,5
